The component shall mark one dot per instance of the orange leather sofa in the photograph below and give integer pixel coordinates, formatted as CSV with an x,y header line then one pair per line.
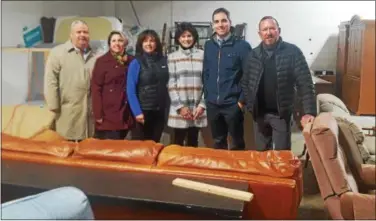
x,y
274,177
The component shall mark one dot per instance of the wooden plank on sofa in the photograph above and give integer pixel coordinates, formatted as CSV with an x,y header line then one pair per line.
x,y
213,189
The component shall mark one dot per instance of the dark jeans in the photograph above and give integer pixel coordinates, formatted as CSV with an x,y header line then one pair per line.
x,y
152,128
110,134
190,133
224,120
271,128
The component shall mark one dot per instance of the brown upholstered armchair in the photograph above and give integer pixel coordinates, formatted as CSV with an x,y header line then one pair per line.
x,y
345,184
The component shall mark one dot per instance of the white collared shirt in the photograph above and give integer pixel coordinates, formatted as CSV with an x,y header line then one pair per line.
x,y
221,40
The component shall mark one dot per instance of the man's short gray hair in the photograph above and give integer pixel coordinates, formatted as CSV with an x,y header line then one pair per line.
x,y
77,22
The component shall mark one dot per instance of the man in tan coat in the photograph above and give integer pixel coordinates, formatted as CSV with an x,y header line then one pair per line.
x,y
67,84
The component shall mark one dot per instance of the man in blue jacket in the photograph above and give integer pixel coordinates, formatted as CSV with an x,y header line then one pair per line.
x,y
222,71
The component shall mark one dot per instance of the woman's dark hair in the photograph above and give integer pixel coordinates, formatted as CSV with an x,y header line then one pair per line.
x,y
185,26
115,33
141,38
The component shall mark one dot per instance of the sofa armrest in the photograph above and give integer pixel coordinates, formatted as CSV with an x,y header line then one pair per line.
x,y
358,206
368,175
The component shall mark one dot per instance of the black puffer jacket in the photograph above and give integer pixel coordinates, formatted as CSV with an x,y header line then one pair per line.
x,y
292,75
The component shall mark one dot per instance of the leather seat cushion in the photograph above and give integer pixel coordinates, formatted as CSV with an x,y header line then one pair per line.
x,y
59,148
132,151
268,163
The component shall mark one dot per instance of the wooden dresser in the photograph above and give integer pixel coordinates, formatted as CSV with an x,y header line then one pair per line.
x,y
358,80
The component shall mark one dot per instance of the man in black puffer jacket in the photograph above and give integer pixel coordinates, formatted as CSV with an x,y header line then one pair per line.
x,y
271,74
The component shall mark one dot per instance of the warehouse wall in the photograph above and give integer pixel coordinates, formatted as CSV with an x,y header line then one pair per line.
x,y
312,25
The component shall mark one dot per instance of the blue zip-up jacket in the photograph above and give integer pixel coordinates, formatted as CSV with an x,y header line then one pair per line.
x,y
222,70
132,81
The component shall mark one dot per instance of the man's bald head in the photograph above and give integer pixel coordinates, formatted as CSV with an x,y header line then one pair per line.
x,y
80,34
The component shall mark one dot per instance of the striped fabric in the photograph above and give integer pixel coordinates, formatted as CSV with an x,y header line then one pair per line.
x,y
185,86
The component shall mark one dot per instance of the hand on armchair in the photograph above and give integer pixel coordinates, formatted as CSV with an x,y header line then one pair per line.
x,y
306,119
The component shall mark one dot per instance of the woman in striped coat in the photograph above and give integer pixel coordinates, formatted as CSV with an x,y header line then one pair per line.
x,y
187,111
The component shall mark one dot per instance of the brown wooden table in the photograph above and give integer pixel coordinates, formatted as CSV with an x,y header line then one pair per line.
x,y
323,86
134,192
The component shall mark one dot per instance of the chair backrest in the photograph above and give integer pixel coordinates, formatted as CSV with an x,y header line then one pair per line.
x,y
357,154
25,120
331,103
329,162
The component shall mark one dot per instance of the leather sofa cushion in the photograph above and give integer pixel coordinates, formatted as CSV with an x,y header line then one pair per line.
x,y
268,163
74,162
132,151
55,148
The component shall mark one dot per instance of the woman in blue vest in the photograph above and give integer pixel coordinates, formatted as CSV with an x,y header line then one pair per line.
x,y
147,92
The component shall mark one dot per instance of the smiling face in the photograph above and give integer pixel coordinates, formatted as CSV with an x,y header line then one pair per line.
x,y
80,36
118,43
149,44
221,24
186,39
269,31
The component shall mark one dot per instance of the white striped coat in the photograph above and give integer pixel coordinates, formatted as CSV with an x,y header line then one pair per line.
x,y
185,86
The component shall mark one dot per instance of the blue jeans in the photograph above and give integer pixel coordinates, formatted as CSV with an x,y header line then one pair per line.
x,y
60,203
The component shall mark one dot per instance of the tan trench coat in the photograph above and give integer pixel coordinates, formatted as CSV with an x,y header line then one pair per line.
x,y
67,91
